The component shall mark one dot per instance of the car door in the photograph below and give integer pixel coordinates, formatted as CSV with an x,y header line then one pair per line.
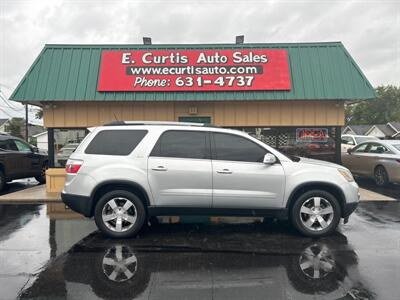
x,y
240,178
179,169
356,161
22,162
10,157
377,153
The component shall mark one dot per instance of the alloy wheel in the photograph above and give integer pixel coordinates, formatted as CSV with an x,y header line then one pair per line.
x,y
119,214
316,214
119,263
317,261
380,176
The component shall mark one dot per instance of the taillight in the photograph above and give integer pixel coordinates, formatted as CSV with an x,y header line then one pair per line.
x,y
72,166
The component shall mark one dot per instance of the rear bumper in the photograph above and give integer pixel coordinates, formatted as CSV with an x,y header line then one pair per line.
x,y
78,203
349,208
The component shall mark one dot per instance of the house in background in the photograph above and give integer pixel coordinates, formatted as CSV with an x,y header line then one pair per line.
x,y
387,131
3,124
356,129
384,131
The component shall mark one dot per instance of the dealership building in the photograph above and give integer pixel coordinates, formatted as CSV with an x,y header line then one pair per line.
x,y
291,96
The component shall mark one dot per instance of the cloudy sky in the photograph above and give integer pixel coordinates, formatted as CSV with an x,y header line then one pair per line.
x,y
369,29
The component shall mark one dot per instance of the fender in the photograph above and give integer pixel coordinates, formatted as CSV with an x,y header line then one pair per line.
x,y
316,184
116,182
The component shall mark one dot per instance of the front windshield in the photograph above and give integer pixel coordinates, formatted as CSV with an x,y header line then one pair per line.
x,y
361,139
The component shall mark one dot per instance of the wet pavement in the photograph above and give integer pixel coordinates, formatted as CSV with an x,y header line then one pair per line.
x,y
392,190
47,252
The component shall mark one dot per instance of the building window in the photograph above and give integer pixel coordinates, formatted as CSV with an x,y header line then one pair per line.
x,y
312,142
65,143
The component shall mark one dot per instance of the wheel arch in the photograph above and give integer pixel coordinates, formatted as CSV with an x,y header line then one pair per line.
x,y
111,185
317,185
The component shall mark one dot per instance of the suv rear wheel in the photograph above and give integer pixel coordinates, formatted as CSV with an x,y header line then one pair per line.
x,y
316,213
119,214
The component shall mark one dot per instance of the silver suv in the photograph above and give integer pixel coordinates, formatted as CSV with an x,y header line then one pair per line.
x,y
123,173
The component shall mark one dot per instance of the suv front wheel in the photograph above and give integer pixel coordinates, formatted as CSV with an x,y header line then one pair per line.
x,y
119,214
316,213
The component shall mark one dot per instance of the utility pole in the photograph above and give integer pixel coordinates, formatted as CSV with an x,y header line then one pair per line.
x,y
26,122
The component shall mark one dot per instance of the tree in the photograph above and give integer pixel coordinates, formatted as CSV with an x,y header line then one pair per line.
x,y
15,127
39,114
384,108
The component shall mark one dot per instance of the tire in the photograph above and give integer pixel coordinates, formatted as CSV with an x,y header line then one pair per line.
x,y
122,222
42,177
2,180
381,177
306,217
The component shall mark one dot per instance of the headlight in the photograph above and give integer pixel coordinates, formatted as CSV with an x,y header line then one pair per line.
x,y
346,174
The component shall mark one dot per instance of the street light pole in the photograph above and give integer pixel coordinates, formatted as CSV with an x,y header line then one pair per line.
x,y
26,122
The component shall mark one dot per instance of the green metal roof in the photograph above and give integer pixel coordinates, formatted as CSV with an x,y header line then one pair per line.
x,y
70,73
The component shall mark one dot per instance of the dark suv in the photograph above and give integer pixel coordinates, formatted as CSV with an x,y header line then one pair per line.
x,y
18,160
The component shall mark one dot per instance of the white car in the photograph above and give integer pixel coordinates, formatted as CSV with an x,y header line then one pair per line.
x,y
349,141
126,172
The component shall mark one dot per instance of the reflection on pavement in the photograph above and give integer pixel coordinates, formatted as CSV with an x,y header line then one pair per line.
x,y
203,261
185,261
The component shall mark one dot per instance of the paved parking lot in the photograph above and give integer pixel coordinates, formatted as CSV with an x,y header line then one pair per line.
x,y
48,255
392,190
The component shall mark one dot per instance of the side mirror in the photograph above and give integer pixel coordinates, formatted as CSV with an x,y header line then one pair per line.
x,y
349,151
269,159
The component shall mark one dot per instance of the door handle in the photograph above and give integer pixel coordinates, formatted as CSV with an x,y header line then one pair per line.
x,y
224,171
160,168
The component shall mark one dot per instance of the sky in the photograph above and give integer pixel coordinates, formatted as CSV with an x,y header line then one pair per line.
x,y
369,29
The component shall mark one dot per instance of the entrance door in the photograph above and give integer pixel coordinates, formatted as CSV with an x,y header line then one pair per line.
x,y
240,178
179,169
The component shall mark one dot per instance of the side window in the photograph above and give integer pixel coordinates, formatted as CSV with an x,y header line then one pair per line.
x,y
183,144
22,147
115,142
361,149
377,148
4,145
347,140
237,148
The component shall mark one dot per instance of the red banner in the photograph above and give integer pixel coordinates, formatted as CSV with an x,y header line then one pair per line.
x,y
194,70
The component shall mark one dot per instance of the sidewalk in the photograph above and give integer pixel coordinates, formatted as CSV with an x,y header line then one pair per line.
x,y
37,194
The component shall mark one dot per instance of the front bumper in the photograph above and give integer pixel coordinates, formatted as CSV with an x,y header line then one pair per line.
x,y
348,209
78,203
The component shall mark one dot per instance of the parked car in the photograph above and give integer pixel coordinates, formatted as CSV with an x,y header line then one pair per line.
x,y
126,172
19,160
64,153
349,141
379,160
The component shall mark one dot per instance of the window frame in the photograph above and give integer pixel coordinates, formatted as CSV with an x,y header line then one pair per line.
x,y
146,132
214,148
388,151
349,138
207,145
354,150
23,143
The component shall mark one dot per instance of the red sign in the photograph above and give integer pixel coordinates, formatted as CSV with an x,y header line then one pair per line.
x,y
312,135
193,70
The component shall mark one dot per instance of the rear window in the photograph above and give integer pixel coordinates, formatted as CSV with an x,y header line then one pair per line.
x,y
115,142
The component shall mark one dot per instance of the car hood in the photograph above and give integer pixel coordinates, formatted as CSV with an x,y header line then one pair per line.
x,y
310,161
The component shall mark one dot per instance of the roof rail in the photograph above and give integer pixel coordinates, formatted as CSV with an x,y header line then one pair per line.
x,y
119,123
